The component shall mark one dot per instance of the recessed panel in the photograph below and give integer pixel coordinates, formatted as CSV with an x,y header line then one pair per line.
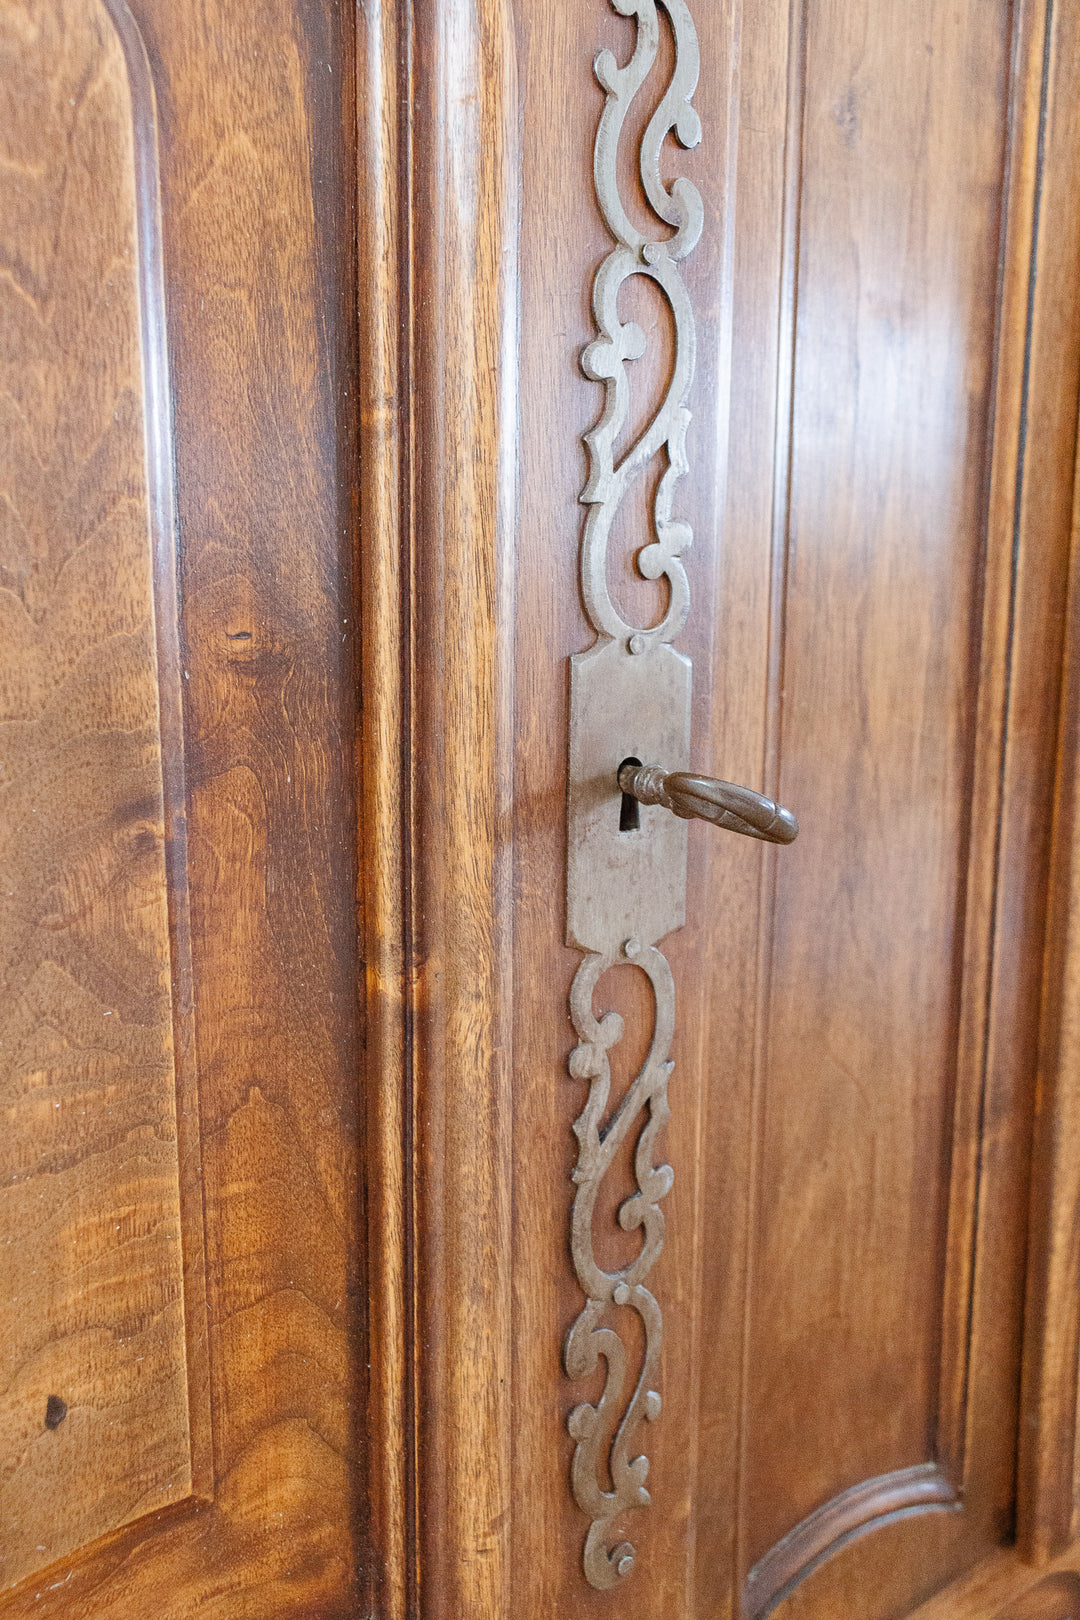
x,y
898,173
93,1391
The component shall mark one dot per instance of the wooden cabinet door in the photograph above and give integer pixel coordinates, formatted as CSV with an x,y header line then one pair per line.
x,y
839,1414
181,1264
289,1259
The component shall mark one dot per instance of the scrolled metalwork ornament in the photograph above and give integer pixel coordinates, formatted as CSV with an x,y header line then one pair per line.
x,y
599,1140
608,1433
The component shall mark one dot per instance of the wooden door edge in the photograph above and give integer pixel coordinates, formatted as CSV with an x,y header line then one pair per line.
x,y
1047,1507
1047,1520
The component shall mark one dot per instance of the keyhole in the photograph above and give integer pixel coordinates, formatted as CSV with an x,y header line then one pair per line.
x,y
629,809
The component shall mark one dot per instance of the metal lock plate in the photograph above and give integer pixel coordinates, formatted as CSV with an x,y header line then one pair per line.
x,y
624,885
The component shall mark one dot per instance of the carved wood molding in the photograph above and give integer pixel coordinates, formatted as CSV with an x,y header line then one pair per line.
x,y
920,1489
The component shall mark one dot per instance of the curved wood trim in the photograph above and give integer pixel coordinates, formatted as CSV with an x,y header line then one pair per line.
x,y
922,1489
161,500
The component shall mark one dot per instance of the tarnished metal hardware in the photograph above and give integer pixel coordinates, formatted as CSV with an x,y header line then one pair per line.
x,y
622,884
629,707
629,697
736,809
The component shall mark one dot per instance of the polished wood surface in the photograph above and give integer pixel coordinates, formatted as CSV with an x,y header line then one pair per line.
x,y
94,1427
378,239
882,543
1048,1498
1010,507
254,115
1006,1586
875,1208
562,240
881,547
463,556
1055,1598
387,898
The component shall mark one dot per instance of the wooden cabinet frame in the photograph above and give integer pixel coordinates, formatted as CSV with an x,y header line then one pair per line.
x,y
371,1136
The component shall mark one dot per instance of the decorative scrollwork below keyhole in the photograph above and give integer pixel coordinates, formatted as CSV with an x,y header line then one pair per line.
x,y
644,1109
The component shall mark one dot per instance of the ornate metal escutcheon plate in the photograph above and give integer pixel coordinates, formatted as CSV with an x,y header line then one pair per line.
x,y
630,698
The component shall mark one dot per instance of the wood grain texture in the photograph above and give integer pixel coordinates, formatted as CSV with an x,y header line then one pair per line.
x,y
802,149
563,239
385,289
900,178
497,1528
1049,1496
881,503
258,201
890,1022
998,905
1048,1438
824,1533
1006,1587
464,197
94,1424
842,1281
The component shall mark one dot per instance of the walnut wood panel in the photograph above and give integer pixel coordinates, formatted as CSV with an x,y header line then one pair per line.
x,y
898,188
972,1243
94,1420
883,435
491,237
842,1278
1049,1495
257,135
